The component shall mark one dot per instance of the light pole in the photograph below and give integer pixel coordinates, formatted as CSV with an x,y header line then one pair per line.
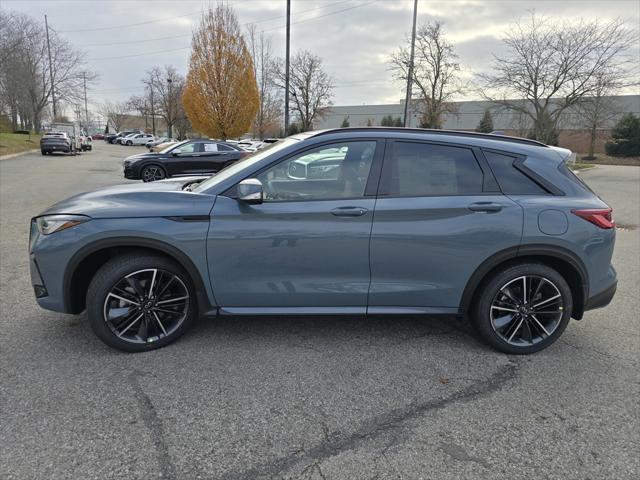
x,y
286,75
53,92
410,73
169,117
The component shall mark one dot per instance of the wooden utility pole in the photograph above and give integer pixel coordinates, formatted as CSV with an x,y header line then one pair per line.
x,y
407,100
53,92
286,75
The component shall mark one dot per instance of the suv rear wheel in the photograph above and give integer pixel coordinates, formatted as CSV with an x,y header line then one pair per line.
x,y
140,302
523,309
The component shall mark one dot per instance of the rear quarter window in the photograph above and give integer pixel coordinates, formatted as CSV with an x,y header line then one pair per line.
x,y
511,180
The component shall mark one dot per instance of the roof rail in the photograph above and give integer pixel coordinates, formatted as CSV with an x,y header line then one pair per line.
x,y
457,133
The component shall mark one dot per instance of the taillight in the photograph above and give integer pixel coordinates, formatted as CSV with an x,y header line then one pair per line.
x,y
601,217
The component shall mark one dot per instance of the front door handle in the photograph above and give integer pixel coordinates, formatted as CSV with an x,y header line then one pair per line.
x,y
488,207
349,211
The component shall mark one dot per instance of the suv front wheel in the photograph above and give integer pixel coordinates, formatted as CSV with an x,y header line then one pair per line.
x,y
140,302
523,309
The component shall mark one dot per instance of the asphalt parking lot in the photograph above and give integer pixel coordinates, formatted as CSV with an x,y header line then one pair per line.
x,y
340,398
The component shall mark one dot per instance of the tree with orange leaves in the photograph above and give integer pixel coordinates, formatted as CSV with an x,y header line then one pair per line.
x,y
221,94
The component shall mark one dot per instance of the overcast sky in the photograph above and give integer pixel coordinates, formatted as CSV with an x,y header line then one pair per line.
x,y
123,38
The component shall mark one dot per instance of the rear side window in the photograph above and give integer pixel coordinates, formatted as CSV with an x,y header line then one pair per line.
x,y
511,180
420,169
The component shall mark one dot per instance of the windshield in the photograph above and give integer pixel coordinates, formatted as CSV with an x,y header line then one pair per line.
x,y
172,146
245,163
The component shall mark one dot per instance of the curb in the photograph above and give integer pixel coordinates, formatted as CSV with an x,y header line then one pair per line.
x,y
12,155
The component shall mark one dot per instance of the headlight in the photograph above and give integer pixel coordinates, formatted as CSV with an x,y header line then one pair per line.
x,y
54,223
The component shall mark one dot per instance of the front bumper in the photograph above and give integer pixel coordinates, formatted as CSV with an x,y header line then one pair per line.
x,y
130,172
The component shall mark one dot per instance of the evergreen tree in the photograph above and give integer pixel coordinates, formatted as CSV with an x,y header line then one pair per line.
x,y
486,124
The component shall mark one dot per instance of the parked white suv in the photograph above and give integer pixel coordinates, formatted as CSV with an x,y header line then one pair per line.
x,y
138,139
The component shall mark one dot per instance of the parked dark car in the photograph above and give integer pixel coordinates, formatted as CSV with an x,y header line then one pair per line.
x,y
113,137
97,136
395,221
55,142
199,156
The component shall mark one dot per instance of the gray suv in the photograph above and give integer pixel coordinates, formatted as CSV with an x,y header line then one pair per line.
x,y
350,221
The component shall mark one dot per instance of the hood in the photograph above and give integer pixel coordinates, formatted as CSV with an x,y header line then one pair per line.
x,y
155,199
141,156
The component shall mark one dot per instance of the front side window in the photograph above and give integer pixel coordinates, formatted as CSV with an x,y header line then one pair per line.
x,y
338,170
420,169
186,148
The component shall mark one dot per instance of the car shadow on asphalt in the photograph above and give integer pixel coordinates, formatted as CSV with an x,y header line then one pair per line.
x,y
361,330
314,331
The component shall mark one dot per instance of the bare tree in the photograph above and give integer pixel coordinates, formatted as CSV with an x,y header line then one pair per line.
x,y
435,73
267,121
115,113
167,86
553,65
27,83
598,110
142,105
310,86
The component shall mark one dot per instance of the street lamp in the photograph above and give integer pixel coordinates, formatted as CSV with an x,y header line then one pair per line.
x,y
169,117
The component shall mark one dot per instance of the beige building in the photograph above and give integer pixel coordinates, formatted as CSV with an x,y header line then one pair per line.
x,y
468,115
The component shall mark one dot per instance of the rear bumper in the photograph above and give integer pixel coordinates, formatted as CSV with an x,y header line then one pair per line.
x,y
55,148
603,298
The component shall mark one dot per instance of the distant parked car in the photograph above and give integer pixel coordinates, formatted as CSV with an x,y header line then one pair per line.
x,y
85,141
250,145
123,140
55,142
159,140
162,146
138,139
115,138
190,157
97,136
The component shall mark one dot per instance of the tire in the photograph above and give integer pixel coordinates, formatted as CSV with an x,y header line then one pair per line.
x,y
160,328
43,152
152,173
129,143
501,312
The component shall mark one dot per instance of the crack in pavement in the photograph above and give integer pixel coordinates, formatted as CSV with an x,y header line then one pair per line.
x,y
154,425
338,442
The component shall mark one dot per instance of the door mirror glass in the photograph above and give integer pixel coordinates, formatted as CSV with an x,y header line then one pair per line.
x,y
250,191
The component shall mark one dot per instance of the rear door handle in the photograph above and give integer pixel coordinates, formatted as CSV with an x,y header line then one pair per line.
x,y
349,211
485,207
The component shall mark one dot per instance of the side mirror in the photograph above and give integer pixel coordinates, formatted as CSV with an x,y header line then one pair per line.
x,y
250,191
175,153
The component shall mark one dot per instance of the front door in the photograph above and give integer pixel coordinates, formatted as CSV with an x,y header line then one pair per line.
x,y
305,249
185,159
436,220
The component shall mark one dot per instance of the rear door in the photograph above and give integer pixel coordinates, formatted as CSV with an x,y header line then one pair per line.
x,y
438,216
214,157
